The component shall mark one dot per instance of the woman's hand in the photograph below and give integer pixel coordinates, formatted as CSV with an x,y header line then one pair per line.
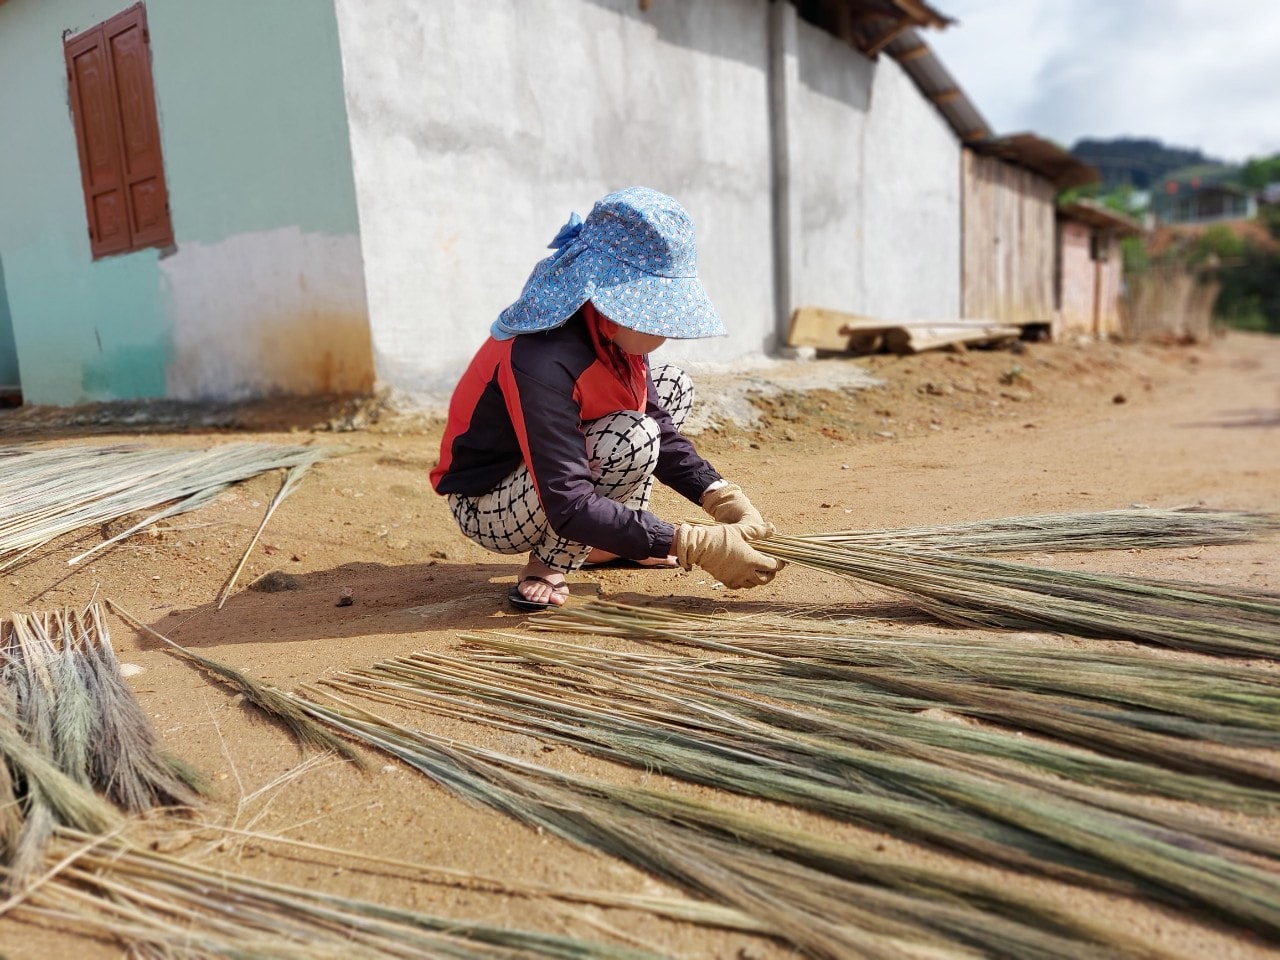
x,y
728,504
723,551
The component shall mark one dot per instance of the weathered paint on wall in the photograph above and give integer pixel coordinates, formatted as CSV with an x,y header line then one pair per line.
x,y
252,309
477,128
254,137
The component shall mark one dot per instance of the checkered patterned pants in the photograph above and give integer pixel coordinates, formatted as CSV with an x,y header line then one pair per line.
x,y
622,450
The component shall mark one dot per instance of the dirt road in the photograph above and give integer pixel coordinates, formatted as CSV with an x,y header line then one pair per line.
x,y
946,437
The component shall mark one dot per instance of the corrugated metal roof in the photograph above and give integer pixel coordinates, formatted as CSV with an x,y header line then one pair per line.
x,y
892,26
935,81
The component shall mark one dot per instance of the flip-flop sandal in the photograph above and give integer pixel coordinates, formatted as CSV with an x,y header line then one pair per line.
x,y
521,602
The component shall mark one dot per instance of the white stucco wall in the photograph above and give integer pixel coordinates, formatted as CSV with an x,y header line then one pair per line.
x,y
875,181
477,127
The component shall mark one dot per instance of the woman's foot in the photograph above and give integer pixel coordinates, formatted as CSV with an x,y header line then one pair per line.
x,y
598,557
538,583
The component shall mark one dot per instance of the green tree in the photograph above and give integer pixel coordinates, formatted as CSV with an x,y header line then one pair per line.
x,y
1260,171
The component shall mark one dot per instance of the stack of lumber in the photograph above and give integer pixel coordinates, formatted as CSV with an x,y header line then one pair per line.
x,y
842,332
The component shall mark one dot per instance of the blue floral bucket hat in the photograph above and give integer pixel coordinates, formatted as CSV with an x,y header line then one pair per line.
x,y
634,258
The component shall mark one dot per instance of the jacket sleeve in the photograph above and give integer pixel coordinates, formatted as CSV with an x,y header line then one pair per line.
x,y
547,421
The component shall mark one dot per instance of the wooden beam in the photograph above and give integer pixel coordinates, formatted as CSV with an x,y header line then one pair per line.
x,y
902,340
915,53
844,19
840,332
946,96
889,36
921,14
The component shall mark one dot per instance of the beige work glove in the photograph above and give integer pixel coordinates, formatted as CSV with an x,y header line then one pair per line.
x,y
728,504
722,550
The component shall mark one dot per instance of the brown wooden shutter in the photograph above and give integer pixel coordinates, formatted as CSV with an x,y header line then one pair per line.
x,y
148,199
113,106
94,111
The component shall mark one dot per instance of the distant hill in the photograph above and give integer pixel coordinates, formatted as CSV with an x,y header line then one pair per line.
x,y
1138,163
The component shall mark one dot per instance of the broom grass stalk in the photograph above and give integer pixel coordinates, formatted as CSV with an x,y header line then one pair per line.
x,y
856,721
277,705
286,487
165,884
47,492
126,760
671,908
837,662
778,764
977,591
1130,529
733,857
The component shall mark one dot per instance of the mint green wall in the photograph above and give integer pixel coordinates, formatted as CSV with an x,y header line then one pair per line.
x,y
254,135
8,351
251,105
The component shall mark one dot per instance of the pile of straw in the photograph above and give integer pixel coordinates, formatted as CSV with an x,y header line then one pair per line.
x,y
160,906
1137,528
977,591
841,725
46,492
827,901
70,729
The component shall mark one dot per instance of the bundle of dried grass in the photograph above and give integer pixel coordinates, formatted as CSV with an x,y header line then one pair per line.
x,y
46,491
973,802
1137,528
1163,713
161,906
279,706
974,591
827,901
69,725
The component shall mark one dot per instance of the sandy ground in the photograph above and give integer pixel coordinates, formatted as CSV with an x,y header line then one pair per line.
x,y
943,437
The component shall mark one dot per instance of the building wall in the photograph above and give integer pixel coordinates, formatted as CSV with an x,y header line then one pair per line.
x,y
1090,290
477,128
875,174
1111,289
8,350
1076,271
262,291
1009,233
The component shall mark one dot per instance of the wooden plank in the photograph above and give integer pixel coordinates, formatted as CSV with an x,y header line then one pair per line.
x,y
827,329
902,340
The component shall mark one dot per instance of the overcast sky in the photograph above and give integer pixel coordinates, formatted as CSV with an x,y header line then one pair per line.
x,y
1192,73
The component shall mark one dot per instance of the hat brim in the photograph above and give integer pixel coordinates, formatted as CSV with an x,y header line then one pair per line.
x,y
674,307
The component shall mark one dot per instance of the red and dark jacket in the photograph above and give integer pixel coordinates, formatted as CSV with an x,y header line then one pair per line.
x,y
525,400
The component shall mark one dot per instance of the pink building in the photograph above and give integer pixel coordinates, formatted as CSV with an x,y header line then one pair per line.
x,y
1090,270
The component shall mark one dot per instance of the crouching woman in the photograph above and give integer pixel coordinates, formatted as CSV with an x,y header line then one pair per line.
x,y
559,425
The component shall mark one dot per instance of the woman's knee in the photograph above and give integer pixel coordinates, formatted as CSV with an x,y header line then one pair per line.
x,y
622,439
675,390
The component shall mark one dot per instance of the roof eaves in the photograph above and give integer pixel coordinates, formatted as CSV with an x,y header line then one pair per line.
x,y
1042,157
939,87
1096,215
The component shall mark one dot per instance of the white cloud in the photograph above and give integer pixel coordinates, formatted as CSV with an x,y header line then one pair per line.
x,y
1193,73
